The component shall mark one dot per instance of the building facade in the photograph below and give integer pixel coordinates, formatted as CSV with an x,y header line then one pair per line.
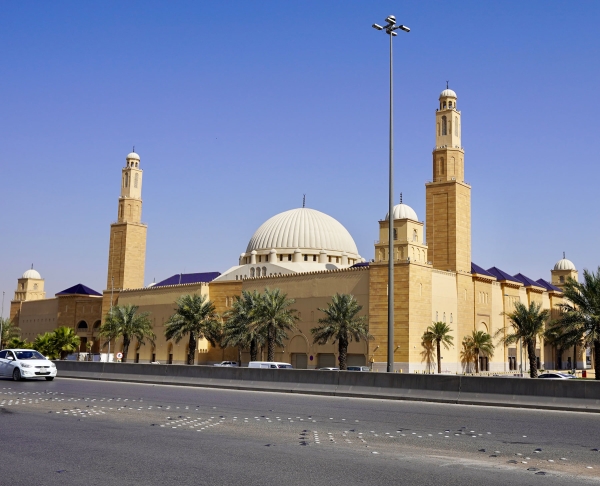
x,y
310,256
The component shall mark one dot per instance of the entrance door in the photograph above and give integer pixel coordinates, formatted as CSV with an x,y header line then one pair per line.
x,y
326,360
300,361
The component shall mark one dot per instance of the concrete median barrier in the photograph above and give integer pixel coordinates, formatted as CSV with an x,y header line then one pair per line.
x,y
468,390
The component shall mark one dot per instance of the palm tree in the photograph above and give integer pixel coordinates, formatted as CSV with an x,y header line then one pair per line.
x,y
125,321
17,343
45,344
275,318
467,354
438,332
65,341
479,342
581,313
562,337
528,323
9,331
240,328
195,316
342,324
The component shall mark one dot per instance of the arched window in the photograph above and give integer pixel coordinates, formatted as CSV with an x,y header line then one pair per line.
x,y
415,236
126,180
456,125
444,125
82,325
444,317
450,104
395,234
96,324
135,181
264,271
451,318
258,274
442,165
444,106
252,272
436,316
562,279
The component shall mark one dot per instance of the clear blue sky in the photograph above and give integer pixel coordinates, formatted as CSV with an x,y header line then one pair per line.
x,y
237,109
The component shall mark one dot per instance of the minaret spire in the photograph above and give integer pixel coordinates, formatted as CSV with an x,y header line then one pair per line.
x,y
400,198
303,200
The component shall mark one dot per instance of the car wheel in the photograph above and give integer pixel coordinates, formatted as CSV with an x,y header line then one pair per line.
x,y
17,374
49,378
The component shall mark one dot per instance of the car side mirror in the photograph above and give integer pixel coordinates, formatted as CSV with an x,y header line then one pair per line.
x,y
10,358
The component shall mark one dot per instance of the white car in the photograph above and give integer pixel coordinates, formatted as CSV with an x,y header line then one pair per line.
x,y
556,376
227,364
19,364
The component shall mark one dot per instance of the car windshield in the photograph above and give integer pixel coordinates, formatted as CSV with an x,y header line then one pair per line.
x,y
285,366
29,355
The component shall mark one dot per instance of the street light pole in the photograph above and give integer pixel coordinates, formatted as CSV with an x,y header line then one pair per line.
x,y
390,29
1,319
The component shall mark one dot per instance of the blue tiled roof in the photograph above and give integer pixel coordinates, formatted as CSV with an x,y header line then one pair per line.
x,y
547,285
79,289
526,280
188,278
480,271
501,275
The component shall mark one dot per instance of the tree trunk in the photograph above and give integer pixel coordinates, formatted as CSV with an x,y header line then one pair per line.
x,y
532,358
271,345
439,357
253,350
239,356
343,349
597,359
476,362
191,348
575,356
126,342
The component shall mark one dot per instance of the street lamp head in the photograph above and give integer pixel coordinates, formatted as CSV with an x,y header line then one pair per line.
x,y
378,27
404,28
391,19
393,34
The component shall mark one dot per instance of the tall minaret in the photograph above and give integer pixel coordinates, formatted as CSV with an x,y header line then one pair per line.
x,y
448,196
127,250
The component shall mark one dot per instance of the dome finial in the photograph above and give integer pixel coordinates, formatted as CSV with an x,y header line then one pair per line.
x,y
564,256
303,200
400,198
32,266
447,84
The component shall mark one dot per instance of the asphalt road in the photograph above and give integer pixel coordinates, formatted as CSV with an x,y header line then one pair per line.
x,y
78,432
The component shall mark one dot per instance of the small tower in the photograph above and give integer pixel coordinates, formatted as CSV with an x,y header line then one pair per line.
x,y
127,246
408,236
30,286
563,270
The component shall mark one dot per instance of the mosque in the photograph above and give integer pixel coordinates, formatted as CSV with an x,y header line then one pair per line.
x,y
310,256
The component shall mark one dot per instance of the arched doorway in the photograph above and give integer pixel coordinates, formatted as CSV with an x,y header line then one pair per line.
x,y
170,353
82,328
298,349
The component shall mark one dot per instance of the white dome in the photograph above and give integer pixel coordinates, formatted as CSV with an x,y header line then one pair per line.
x,y
31,273
564,264
302,228
402,211
133,155
448,92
